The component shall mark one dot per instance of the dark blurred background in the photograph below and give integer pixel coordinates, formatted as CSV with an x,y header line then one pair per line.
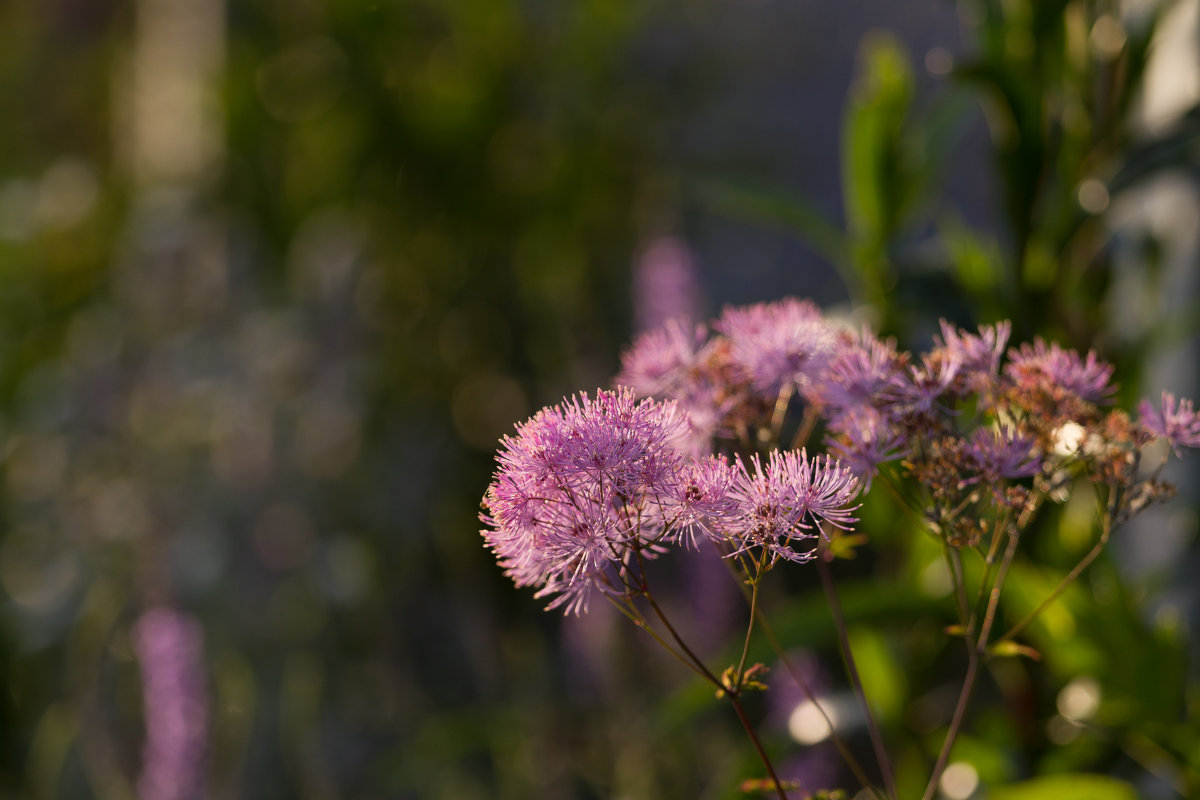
x,y
276,276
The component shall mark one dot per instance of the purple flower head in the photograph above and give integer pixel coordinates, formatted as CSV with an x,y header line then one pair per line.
x,y
1050,368
627,445
825,488
1002,453
701,500
679,362
663,361
862,438
918,392
567,499
170,652
1175,421
778,343
978,356
864,372
782,502
665,284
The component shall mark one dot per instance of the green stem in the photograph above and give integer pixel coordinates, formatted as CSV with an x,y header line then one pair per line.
x,y
954,564
777,648
989,562
754,581
974,653
731,693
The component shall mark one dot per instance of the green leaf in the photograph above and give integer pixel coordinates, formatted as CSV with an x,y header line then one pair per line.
x,y
977,261
1070,786
871,140
884,680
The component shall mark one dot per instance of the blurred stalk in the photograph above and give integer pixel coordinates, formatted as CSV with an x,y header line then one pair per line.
x,y
172,126
174,140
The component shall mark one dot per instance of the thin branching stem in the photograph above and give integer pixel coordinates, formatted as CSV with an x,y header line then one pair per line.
x,y
762,753
638,620
989,562
777,648
838,742
662,617
807,424
960,710
975,652
755,579
839,622
731,692
989,618
958,578
782,401
1070,578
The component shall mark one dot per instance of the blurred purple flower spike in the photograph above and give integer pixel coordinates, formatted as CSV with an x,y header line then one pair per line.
x,y
170,650
665,285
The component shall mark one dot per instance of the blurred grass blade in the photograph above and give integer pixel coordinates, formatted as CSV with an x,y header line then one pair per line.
x,y
871,138
1070,786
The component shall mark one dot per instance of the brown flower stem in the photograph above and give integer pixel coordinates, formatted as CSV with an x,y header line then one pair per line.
x,y
662,617
639,621
960,710
839,622
762,753
843,750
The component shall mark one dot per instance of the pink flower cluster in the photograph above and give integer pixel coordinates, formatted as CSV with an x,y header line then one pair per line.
x,y
587,489
693,445
878,404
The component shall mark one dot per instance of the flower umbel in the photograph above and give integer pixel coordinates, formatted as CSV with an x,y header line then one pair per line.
x,y
570,496
782,503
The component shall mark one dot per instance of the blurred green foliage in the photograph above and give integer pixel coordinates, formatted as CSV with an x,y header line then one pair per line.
x,y
267,393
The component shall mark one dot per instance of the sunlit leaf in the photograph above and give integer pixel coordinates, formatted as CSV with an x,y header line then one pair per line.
x,y
1066,787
